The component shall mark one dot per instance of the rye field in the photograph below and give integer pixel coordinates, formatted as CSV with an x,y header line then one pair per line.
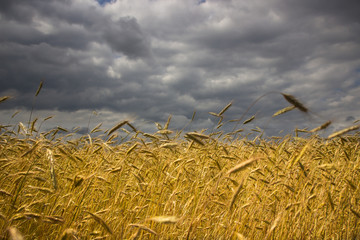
x,y
172,184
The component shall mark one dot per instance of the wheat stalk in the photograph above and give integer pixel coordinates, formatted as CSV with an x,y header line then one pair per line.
x,y
33,104
49,155
164,219
117,126
323,126
195,138
341,132
249,120
39,88
236,194
284,110
132,127
225,109
101,222
198,135
292,100
143,227
167,122
243,165
273,226
131,149
2,99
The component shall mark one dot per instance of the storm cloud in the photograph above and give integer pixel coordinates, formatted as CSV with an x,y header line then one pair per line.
x,y
148,59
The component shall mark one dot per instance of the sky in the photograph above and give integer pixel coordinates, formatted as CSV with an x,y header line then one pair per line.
x,y
108,61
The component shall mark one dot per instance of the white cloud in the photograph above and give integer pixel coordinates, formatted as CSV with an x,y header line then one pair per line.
x,y
111,73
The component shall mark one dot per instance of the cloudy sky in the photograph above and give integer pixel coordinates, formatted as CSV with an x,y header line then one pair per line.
x,y
145,59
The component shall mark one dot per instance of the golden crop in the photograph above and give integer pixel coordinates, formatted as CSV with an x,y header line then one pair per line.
x,y
174,185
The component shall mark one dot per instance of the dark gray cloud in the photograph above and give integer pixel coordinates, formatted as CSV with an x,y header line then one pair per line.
x,y
150,59
332,10
57,41
125,36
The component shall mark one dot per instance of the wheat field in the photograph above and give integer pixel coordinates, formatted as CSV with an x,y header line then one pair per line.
x,y
179,185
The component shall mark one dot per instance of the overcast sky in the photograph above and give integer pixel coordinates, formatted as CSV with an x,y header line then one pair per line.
x,y
145,59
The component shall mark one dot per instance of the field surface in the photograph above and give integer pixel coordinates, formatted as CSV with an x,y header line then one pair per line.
x,y
169,185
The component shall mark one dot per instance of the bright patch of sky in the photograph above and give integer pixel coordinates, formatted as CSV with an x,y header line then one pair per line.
x,y
103,2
